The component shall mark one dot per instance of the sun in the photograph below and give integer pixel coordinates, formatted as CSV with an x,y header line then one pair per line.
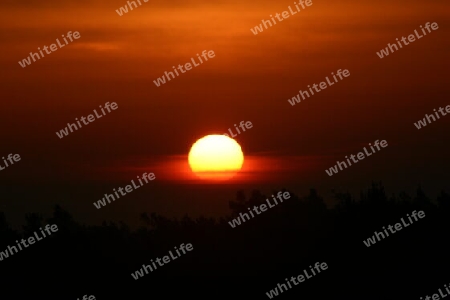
x,y
216,157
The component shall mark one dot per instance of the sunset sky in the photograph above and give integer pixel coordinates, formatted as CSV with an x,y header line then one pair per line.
x,y
249,79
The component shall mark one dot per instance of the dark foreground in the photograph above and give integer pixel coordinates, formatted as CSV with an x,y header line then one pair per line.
x,y
243,262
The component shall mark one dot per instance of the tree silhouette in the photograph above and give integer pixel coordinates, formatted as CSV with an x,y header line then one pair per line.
x,y
247,260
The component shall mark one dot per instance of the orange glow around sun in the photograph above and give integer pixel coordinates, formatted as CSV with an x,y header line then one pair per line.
x,y
216,157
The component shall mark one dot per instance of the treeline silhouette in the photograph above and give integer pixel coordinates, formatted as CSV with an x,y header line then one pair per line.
x,y
242,262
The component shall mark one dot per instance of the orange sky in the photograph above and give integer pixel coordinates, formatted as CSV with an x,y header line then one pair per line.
x,y
250,78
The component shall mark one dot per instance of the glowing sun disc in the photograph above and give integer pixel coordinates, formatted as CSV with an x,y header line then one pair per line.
x,y
216,157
